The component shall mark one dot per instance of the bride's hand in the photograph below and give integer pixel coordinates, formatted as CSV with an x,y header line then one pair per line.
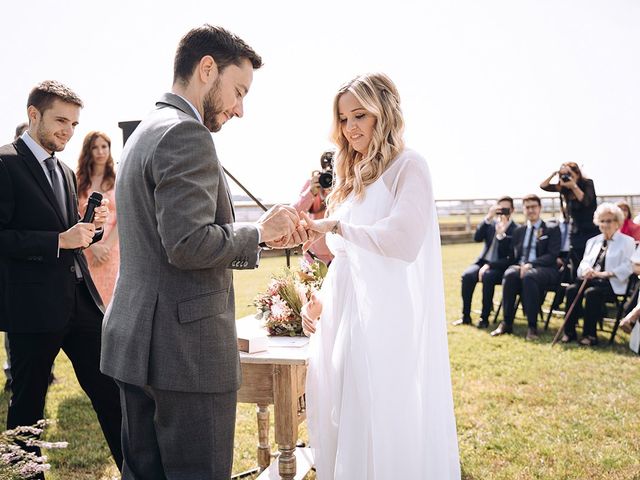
x,y
315,228
310,314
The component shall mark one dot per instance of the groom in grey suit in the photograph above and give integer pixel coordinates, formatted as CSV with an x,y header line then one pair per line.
x,y
169,335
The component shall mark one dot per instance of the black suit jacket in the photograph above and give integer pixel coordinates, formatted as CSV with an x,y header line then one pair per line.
x,y
486,232
37,286
547,245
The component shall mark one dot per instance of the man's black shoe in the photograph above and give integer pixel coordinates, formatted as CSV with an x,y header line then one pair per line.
x,y
502,329
462,321
483,324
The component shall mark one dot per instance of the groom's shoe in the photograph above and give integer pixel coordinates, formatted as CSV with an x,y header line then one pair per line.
x,y
502,329
462,321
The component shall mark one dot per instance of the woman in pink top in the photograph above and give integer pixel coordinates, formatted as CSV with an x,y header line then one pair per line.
x,y
628,227
96,173
312,201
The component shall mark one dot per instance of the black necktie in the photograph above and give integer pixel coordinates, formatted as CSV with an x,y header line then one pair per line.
x,y
599,263
529,245
51,163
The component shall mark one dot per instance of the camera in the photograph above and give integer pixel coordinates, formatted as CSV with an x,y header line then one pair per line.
x,y
503,211
565,177
326,176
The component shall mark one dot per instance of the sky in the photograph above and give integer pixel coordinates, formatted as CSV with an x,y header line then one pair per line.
x,y
495,93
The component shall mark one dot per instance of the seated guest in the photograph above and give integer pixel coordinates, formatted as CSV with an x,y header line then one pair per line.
x,y
628,322
628,227
536,248
492,262
632,301
626,325
606,267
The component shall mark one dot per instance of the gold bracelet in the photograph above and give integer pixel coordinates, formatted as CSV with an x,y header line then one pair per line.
x,y
334,230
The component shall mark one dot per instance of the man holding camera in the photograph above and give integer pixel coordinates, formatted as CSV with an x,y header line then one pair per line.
x,y
495,231
536,248
312,201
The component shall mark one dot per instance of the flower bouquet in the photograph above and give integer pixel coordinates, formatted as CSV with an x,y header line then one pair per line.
x,y
279,306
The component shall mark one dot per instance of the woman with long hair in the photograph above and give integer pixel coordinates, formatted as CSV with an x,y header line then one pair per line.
x,y
96,173
379,399
578,202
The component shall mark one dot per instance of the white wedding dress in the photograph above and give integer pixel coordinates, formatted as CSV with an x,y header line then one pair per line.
x,y
379,401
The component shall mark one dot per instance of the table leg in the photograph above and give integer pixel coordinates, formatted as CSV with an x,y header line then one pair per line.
x,y
264,450
287,462
286,419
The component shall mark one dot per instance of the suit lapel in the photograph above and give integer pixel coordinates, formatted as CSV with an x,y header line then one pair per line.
x,y
540,233
175,101
72,198
36,170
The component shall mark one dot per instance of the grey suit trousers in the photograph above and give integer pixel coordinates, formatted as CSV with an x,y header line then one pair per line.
x,y
169,435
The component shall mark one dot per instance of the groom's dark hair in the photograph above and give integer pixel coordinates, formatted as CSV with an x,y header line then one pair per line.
x,y
225,48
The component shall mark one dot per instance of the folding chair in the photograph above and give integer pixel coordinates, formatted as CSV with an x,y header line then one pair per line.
x,y
517,305
620,301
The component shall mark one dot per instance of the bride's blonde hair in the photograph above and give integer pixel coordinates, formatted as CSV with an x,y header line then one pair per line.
x,y
354,171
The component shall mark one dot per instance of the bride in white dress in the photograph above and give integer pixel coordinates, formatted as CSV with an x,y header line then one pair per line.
x,y
379,401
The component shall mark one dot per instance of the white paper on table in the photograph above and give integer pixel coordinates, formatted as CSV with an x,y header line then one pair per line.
x,y
634,342
295,342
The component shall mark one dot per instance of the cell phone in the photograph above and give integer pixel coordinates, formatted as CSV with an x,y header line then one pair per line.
x,y
503,211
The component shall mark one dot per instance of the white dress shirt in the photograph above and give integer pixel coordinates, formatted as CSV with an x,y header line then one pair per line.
x,y
195,110
617,261
534,241
41,155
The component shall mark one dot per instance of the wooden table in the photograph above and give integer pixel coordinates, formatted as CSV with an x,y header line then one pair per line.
x,y
275,377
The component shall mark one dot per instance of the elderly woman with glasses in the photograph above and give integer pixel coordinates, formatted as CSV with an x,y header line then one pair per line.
x,y
605,270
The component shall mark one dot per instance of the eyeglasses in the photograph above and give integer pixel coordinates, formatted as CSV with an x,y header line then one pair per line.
x,y
608,220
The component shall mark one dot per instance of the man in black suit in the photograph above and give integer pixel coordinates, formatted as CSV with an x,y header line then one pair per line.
x,y
495,230
48,301
536,249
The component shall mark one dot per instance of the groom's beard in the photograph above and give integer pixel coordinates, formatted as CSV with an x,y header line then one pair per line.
x,y
211,108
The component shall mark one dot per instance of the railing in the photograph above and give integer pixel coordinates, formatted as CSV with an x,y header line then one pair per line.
x,y
467,211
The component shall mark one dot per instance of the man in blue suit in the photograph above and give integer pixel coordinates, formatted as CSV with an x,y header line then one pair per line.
x,y
495,231
536,247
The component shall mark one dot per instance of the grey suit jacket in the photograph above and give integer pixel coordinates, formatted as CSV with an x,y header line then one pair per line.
x,y
171,323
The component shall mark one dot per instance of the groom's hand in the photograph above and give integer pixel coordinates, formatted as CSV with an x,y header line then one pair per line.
x,y
298,237
277,223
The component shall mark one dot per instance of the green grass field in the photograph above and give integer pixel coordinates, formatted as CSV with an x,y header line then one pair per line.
x,y
524,410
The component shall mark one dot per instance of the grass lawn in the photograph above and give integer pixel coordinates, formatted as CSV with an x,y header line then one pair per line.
x,y
523,410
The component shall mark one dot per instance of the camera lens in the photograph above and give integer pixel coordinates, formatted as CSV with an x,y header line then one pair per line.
x,y
326,179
